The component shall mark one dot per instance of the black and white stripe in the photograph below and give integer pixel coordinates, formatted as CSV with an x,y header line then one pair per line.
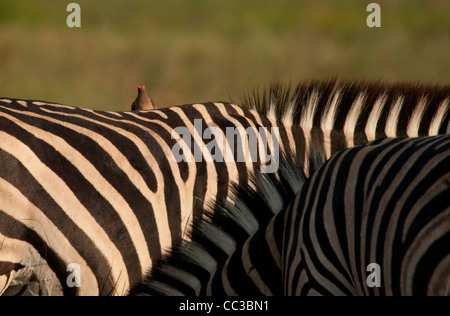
x,y
385,203
335,115
101,188
236,248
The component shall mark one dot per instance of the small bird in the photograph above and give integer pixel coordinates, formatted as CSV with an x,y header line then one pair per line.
x,y
142,102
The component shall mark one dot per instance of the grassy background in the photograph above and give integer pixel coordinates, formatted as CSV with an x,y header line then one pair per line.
x,y
197,50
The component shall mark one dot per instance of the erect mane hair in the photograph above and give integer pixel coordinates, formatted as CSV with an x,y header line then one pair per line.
x,y
223,229
287,102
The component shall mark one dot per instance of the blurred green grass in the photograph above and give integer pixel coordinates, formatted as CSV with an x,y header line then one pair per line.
x,y
198,50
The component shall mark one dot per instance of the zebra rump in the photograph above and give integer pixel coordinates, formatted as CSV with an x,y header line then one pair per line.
x,y
374,220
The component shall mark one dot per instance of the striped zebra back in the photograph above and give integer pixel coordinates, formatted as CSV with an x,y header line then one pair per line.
x,y
102,189
383,204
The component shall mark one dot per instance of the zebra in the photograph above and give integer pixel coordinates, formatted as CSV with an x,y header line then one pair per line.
x,y
393,198
382,206
142,101
101,189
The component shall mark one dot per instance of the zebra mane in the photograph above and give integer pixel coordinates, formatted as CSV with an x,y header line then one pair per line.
x,y
293,104
223,229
